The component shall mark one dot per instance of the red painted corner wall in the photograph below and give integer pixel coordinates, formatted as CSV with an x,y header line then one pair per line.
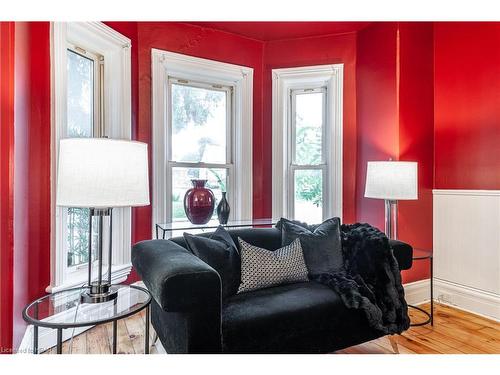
x,y
467,105
25,172
416,136
305,52
395,119
7,35
377,110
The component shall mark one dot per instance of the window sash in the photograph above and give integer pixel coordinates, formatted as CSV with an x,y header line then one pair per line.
x,y
229,165
229,111
98,130
291,141
98,123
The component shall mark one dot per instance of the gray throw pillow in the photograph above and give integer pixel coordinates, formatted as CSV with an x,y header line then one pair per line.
x,y
322,246
261,268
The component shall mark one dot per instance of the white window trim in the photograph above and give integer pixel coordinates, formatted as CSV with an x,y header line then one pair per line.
x,y
168,64
284,80
117,101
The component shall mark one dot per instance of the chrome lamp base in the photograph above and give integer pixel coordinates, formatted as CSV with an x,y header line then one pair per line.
x,y
391,219
98,293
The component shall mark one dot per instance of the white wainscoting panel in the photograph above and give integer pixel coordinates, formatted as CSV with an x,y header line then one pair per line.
x,y
467,249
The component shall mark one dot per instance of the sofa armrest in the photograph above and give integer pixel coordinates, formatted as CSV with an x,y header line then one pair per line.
x,y
403,253
178,280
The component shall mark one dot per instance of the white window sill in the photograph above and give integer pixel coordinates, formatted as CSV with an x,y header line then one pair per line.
x,y
119,273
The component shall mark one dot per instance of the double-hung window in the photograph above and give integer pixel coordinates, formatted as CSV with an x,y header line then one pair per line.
x,y
307,143
200,129
308,173
91,96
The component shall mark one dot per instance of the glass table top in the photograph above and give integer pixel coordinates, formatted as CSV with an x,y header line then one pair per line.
x,y
213,224
421,253
64,309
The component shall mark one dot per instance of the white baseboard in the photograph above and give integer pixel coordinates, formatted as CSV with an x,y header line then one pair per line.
x,y
417,292
473,300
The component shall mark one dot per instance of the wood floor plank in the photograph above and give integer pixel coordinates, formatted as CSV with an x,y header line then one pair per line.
x,y
384,341
97,340
123,343
135,327
79,345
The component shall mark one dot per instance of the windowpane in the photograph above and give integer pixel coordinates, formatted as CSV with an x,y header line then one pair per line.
x,y
181,182
308,202
80,116
80,95
308,128
199,124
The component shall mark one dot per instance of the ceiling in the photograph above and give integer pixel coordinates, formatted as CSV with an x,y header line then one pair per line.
x,y
269,31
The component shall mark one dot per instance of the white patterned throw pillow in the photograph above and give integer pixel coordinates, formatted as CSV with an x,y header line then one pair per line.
x,y
261,268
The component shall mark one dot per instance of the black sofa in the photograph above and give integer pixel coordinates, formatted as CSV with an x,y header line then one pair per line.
x,y
189,315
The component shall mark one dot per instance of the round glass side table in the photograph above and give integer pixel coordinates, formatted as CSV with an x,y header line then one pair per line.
x,y
63,310
420,254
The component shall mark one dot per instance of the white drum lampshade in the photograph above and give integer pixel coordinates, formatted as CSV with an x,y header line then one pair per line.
x,y
392,180
102,173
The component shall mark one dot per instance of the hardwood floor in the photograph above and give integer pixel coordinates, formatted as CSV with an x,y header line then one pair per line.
x,y
454,332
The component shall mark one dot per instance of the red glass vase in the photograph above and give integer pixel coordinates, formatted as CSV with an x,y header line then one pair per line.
x,y
199,203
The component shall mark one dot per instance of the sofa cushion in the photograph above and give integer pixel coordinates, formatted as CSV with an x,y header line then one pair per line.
x,y
261,268
322,247
219,252
273,317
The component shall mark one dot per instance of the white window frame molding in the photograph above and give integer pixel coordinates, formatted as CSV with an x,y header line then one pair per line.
x,y
165,64
115,48
285,80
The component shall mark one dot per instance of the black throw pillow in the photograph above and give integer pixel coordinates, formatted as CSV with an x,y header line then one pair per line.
x,y
219,252
322,246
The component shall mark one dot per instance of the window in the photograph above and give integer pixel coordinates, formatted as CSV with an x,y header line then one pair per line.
x,y
202,128
84,108
307,143
200,140
308,169
91,90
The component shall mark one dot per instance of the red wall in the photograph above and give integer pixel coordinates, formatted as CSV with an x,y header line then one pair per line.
x,y
416,135
22,101
377,110
304,52
467,105
25,262
7,30
395,119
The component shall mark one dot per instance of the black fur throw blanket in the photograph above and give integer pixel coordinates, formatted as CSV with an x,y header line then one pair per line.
x,y
371,280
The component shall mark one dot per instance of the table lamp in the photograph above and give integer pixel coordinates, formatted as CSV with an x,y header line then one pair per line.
x,y
100,174
392,181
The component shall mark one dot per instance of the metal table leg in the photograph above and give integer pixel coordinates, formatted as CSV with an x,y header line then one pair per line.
x,y
35,340
146,336
59,341
115,324
429,314
35,332
432,290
